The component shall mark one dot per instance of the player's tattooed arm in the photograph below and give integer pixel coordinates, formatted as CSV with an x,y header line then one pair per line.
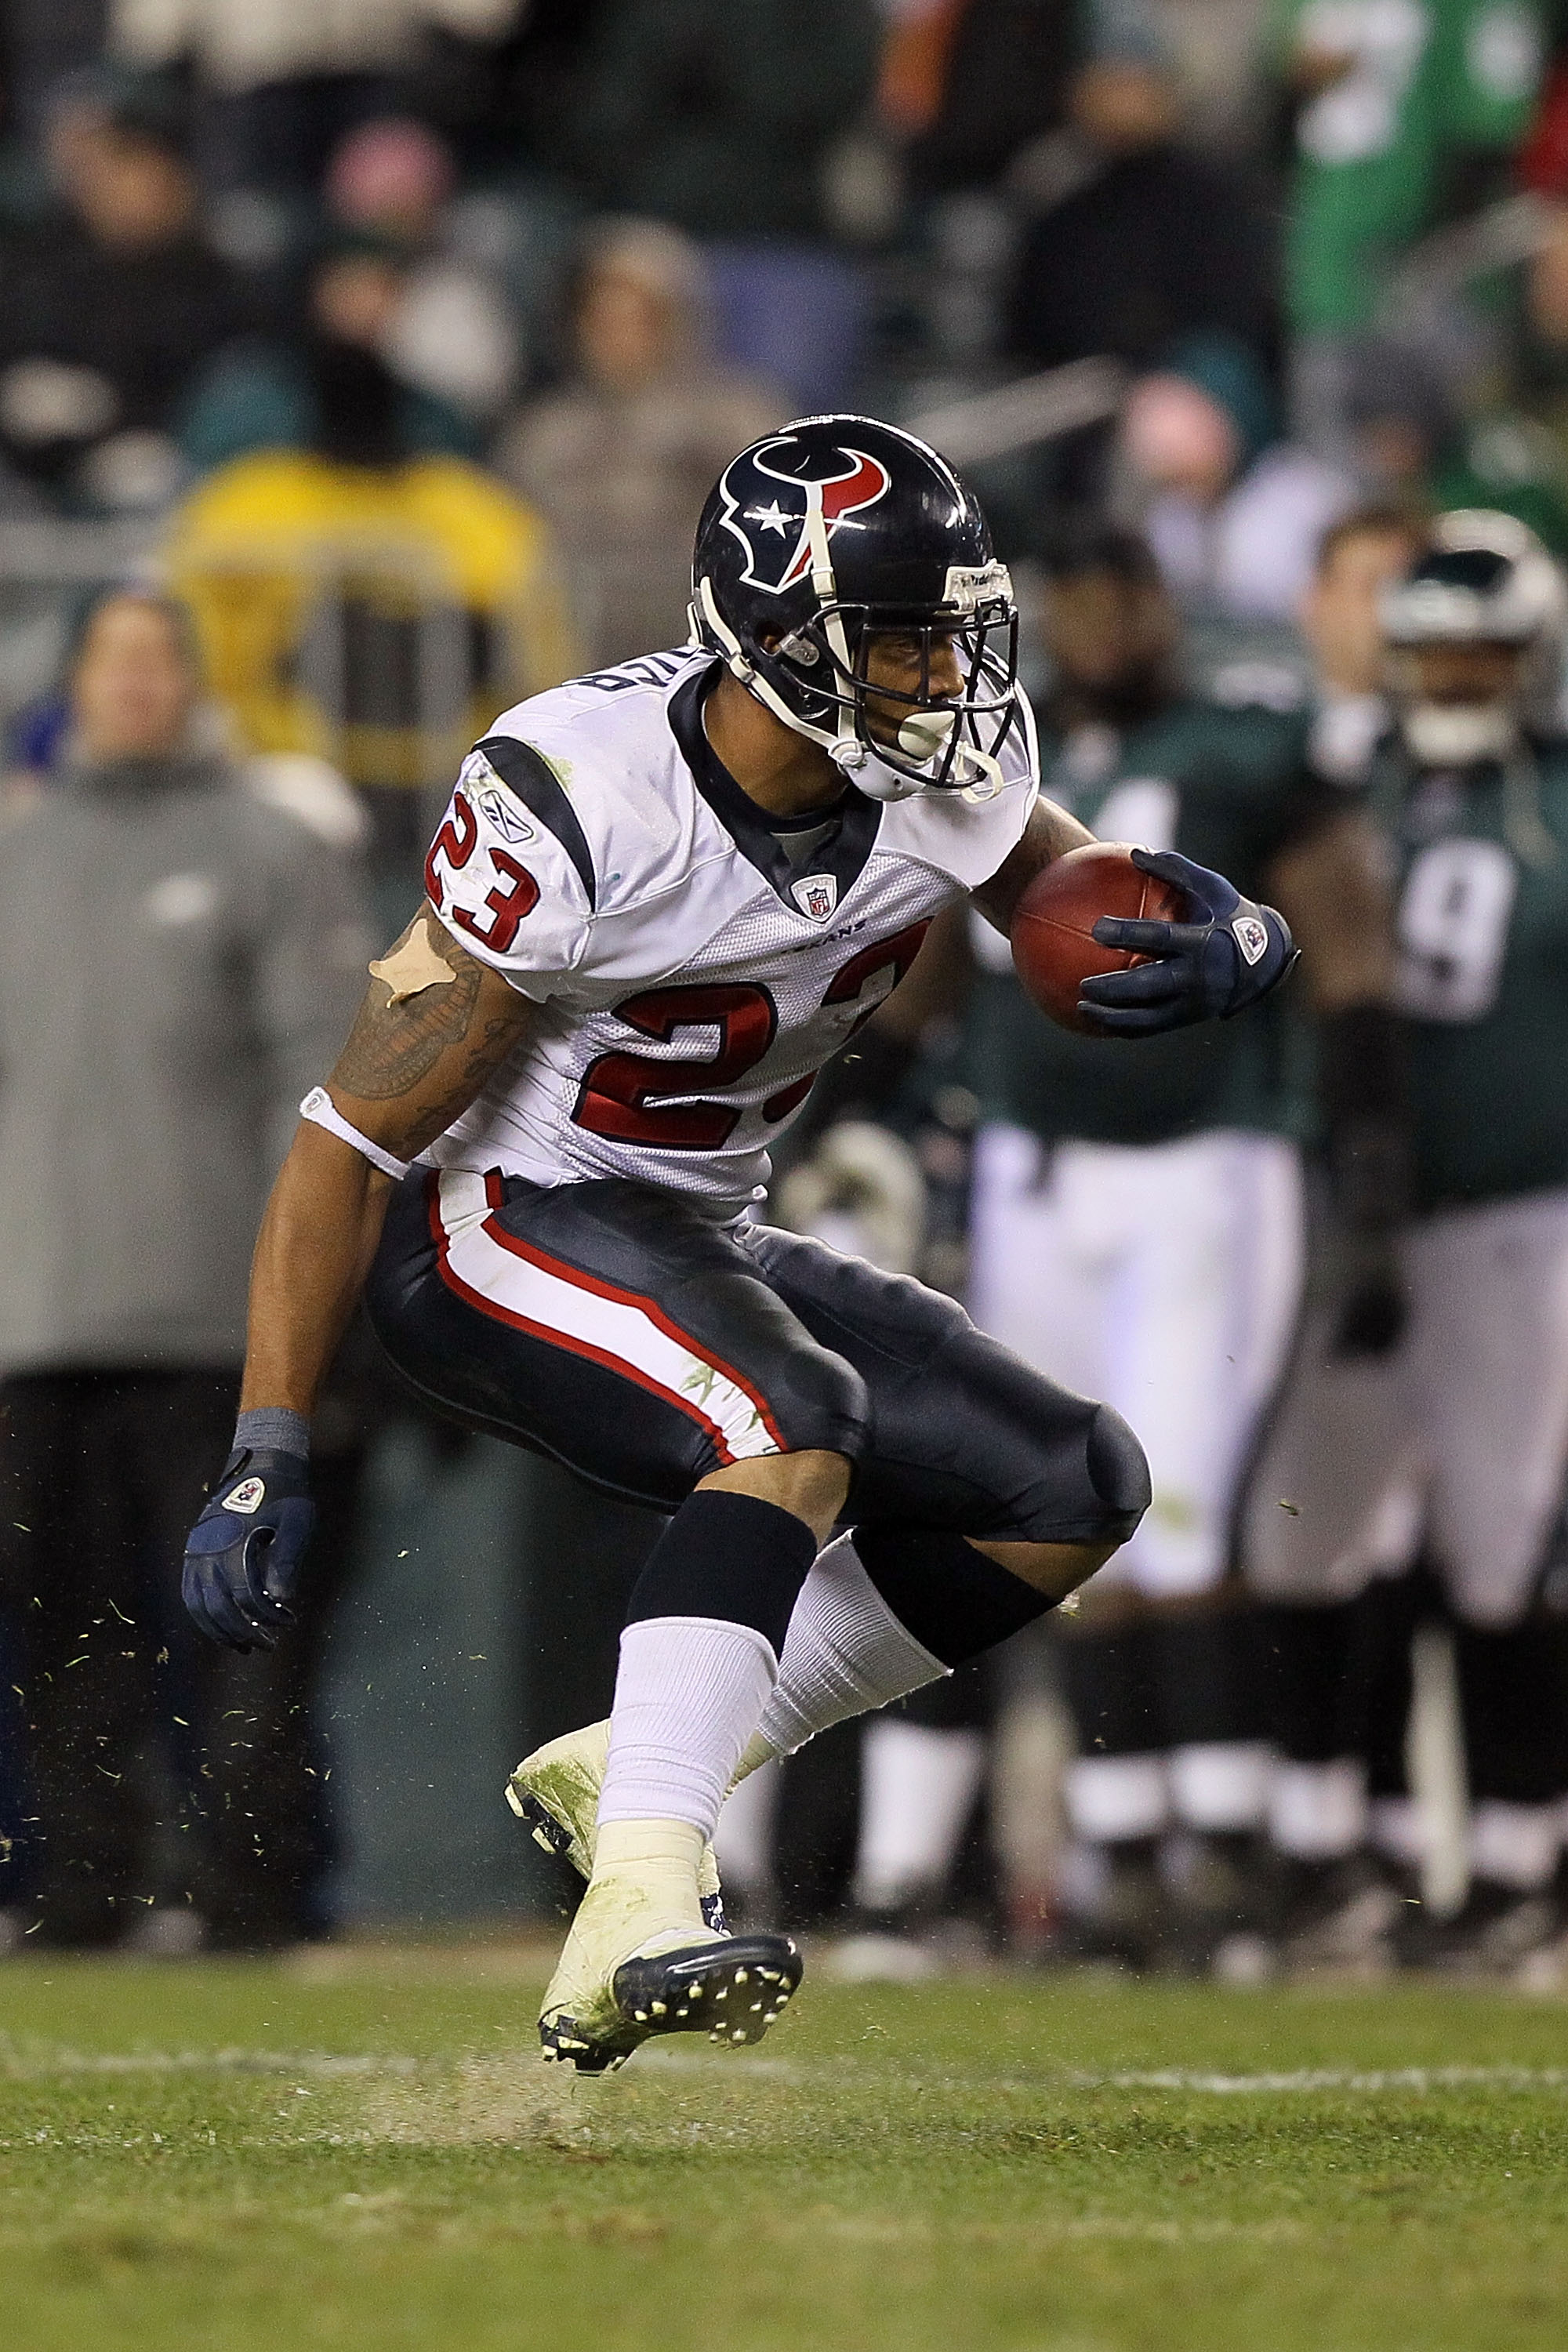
x,y
434,1027
1049,833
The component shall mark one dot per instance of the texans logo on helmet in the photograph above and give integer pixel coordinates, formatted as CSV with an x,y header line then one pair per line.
x,y
767,507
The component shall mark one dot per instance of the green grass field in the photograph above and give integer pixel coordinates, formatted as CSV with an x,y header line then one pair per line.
x,y
364,2152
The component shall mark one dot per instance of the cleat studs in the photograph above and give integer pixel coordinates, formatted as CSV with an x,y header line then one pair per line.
x,y
739,2034
683,2012
722,1993
640,2015
659,2009
540,1839
756,2008
739,1976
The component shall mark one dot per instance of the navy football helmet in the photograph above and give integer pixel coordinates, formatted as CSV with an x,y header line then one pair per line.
x,y
819,536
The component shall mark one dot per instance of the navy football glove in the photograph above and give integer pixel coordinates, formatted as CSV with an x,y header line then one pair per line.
x,y
243,1556
1205,970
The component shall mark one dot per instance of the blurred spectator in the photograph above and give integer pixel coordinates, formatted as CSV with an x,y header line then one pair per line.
x,y
917,58
1513,455
1358,557
44,41
111,308
1398,418
509,103
151,1076
1234,515
331,382
359,596
1409,443
718,124
979,81
728,133
1407,116
1150,242
284,79
454,334
622,458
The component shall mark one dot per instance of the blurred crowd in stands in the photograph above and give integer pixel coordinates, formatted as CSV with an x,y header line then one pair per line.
x,y
363,366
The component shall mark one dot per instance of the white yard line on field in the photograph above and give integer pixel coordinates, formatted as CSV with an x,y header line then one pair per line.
x,y
35,2064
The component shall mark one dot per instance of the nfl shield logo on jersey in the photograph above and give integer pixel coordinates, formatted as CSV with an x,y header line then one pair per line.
x,y
768,494
817,896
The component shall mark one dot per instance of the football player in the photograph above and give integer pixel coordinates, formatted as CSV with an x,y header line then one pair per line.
x,y
1338,1886
661,897
1471,785
1138,1234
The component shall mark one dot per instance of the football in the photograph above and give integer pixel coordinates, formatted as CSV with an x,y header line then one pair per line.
x,y
1054,947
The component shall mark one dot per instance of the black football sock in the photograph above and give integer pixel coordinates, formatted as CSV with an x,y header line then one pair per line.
x,y
1379,1695
1112,1686
1317,1799
729,1556
1509,1698
1306,1670
1206,1664
1117,1788
954,1599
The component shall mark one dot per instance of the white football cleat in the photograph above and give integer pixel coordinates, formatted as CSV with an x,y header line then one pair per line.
x,y
556,1791
639,1960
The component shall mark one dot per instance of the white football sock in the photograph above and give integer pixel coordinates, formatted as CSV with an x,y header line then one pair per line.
x,y
687,1695
844,1653
1399,1830
1317,1812
1110,1798
1221,1785
1514,1845
917,1789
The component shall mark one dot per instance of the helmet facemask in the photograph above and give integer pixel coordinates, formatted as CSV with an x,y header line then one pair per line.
x,y
934,742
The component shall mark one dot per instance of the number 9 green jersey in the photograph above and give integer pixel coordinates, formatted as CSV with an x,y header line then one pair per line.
x,y
1483,972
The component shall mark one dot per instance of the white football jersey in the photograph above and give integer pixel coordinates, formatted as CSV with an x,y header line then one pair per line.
x,y
693,968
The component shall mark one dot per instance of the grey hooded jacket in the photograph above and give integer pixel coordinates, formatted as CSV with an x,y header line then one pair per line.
x,y
179,963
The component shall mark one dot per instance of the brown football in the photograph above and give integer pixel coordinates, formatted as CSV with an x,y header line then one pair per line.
x,y
1054,947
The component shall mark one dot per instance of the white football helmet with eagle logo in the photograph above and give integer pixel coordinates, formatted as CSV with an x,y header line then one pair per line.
x,y
822,534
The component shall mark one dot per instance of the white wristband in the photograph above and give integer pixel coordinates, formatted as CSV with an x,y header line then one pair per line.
x,y
320,1108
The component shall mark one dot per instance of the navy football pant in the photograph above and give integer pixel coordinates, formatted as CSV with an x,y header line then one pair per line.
x,y
628,1334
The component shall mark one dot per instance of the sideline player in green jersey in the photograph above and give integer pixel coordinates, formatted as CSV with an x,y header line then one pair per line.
x,y
1139,1230
1339,1808
1472,789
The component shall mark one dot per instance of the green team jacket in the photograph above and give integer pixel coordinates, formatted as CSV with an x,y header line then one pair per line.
x,y
1428,81
1228,788
1483,946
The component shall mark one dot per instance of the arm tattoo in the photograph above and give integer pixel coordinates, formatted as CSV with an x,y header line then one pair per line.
x,y
396,1042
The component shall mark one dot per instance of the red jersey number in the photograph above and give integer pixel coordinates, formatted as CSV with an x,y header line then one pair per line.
x,y
626,1095
515,896
455,843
